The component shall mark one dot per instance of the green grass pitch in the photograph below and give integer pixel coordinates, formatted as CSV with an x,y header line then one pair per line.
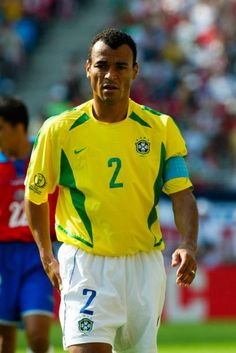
x,y
211,337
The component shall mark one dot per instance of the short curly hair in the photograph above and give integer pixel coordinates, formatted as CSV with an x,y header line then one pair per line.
x,y
114,38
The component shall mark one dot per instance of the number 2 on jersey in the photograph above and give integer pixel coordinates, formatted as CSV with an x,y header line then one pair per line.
x,y
113,182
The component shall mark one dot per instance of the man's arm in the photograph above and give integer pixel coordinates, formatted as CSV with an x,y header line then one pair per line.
x,y
38,219
186,219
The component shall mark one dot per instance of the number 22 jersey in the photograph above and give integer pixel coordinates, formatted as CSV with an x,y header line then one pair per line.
x,y
13,223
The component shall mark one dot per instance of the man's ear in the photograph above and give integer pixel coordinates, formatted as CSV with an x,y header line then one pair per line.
x,y
20,128
135,71
87,67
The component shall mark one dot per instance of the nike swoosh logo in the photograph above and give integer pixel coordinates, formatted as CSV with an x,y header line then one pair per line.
x,y
78,151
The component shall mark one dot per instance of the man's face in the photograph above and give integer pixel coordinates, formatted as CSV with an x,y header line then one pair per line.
x,y
111,72
8,136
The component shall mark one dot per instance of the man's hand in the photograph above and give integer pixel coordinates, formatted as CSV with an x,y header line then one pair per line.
x,y
38,218
186,272
186,220
51,267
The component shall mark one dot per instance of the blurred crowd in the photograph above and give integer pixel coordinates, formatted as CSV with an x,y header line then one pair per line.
x,y
187,56
23,24
217,231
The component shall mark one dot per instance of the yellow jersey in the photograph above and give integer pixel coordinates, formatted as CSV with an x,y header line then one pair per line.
x,y
110,176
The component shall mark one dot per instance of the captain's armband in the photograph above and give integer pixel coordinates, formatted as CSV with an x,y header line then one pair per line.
x,y
175,167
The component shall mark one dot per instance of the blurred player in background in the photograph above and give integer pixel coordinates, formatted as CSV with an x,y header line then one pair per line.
x,y
111,158
26,293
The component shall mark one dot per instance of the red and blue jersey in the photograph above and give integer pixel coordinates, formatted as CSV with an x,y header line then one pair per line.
x,y
13,222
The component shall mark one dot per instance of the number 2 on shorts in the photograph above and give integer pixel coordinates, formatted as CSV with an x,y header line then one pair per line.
x,y
92,294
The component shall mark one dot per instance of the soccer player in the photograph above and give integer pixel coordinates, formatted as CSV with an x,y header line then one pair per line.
x,y
111,158
26,293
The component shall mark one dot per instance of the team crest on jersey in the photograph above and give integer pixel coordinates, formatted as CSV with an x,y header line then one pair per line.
x,y
85,325
142,146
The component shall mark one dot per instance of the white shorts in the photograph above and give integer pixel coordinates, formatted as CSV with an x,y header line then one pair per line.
x,y
114,300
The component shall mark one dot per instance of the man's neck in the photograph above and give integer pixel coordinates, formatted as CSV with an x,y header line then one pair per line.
x,y
110,113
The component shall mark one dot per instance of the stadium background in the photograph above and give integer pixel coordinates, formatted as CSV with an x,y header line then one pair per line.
x,y
187,52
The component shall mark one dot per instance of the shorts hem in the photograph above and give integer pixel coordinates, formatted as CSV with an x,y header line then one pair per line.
x,y
86,340
37,312
9,323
